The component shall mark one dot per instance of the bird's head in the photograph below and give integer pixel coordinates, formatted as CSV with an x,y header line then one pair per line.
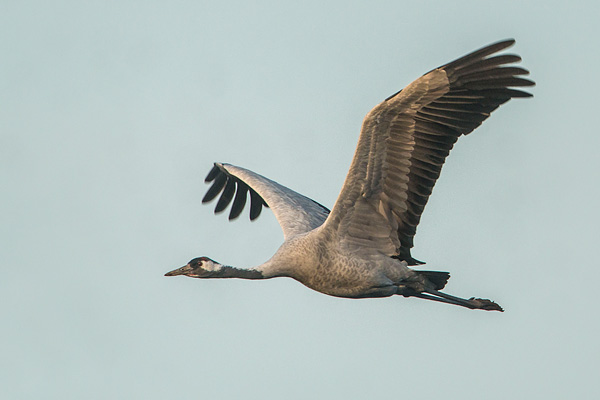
x,y
201,267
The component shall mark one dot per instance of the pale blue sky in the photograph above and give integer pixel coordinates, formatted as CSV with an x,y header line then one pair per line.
x,y
111,114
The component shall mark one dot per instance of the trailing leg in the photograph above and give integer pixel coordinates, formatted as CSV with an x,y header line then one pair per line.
x,y
435,295
473,303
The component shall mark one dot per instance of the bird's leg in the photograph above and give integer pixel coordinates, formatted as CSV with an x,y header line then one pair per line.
x,y
435,295
440,299
472,303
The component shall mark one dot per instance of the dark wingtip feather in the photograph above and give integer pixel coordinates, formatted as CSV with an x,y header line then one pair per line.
x,y
497,83
239,202
215,189
212,174
231,189
226,196
256,203
479,54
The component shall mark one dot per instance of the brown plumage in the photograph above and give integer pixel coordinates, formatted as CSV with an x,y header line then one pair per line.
x,y
405,140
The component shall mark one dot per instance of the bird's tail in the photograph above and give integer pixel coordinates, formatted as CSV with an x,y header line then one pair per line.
x,y
439,279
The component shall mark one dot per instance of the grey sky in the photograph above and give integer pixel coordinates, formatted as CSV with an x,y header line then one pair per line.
x,y
111,114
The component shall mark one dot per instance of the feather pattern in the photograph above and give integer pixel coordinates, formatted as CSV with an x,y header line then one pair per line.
x,y
403,145
295,213
404,142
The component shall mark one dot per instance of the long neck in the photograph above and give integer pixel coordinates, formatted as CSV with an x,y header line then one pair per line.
x,y
226,271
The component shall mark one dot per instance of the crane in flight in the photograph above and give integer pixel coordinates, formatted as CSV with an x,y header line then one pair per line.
x,y
362,247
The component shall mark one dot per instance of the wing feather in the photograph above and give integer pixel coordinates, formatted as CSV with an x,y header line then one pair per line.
x,y
226,196
216,188
404,142
295,213
239,202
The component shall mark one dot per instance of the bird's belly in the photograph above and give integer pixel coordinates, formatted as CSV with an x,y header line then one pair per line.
x,y
351,281
328,269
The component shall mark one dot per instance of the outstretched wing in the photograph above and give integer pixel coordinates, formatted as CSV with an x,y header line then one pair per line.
x,y
404,142
295,213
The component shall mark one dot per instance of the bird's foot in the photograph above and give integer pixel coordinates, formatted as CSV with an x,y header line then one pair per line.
x,y
485,304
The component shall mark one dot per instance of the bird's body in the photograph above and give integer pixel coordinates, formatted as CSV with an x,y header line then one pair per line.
x,y
314,260
362,247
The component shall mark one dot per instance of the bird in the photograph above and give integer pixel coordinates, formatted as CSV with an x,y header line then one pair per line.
x,y
362,247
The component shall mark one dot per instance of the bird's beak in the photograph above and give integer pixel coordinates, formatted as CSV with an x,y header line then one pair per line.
x,y
180,271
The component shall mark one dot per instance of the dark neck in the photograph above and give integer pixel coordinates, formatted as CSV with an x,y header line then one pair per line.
x,y
232,272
